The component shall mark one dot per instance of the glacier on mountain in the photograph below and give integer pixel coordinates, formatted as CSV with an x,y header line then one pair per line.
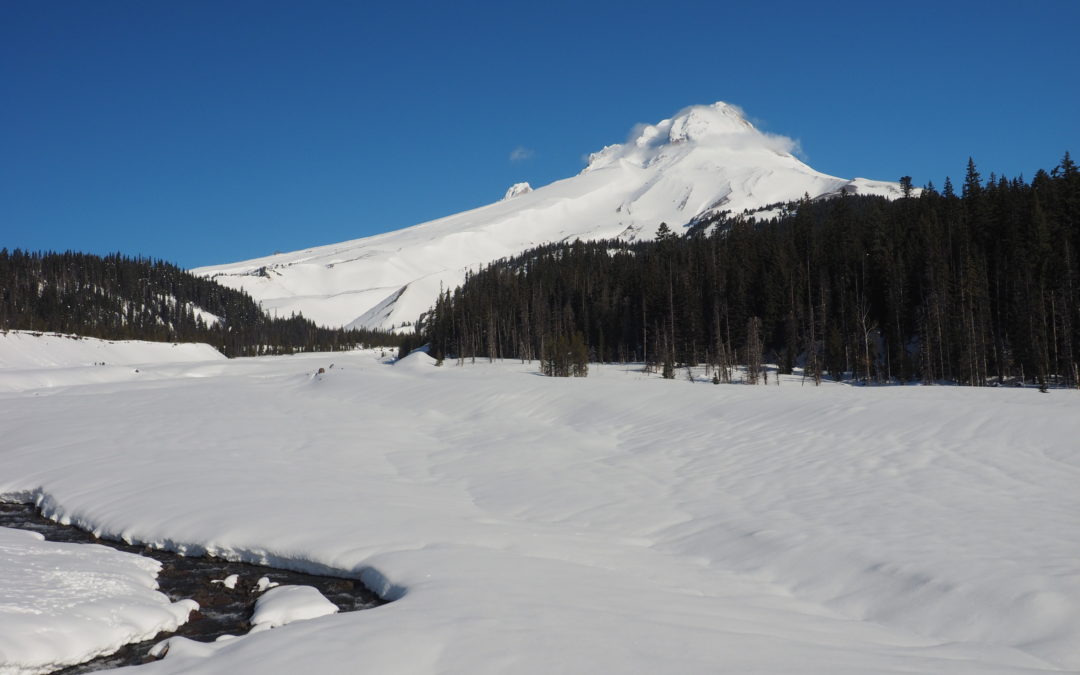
x,y
704,160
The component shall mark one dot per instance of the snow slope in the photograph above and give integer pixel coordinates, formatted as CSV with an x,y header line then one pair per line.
x,y
614,524
704,159
27,349
33,360
62,604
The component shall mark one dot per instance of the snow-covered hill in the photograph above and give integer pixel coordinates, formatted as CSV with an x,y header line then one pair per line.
x,y
31,360
22,350
704,160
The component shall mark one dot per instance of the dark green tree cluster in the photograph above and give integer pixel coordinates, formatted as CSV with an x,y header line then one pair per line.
x,y
976,288
566,356
117,297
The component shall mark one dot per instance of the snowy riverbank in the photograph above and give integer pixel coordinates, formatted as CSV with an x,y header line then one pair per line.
x,y
62,604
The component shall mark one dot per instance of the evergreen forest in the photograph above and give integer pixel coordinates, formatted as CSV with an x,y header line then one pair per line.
x,y
120,298
976,288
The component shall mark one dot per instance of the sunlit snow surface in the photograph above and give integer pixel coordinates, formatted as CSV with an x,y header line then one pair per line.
x,y
285,604
61,604
614,524
37,360
28,350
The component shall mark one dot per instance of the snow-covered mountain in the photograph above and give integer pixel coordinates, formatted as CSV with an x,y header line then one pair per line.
x,y
703,160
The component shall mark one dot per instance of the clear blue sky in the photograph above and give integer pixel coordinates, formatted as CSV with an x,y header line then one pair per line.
x,y
209,132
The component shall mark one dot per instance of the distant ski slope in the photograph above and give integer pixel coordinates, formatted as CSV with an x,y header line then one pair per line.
x,y
703,160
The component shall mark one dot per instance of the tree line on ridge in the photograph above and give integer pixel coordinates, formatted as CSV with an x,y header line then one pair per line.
x,y
975,288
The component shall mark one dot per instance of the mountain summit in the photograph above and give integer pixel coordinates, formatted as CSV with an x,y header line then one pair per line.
x,y
704,160
719,124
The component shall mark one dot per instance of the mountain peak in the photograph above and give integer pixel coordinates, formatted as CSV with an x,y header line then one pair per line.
x,y
703,160
692,124
702,121
720,125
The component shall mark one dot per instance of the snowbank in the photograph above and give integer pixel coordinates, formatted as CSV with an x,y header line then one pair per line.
x,y
62,604
30,360
25,349
617,523
285,604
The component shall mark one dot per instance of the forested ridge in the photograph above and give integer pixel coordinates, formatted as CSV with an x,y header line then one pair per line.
x,y
118,297
976,288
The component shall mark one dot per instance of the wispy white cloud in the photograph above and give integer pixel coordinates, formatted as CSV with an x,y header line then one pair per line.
x,y
520,154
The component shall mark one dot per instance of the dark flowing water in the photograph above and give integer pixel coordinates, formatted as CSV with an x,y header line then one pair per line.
x,y
222,611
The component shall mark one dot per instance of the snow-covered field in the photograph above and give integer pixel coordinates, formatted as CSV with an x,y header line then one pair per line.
x,y
614,524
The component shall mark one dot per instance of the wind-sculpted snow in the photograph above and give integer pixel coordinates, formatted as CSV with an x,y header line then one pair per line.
x,y
614,524
704,160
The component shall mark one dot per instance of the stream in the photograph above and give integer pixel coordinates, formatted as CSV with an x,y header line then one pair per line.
x,y
222,611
